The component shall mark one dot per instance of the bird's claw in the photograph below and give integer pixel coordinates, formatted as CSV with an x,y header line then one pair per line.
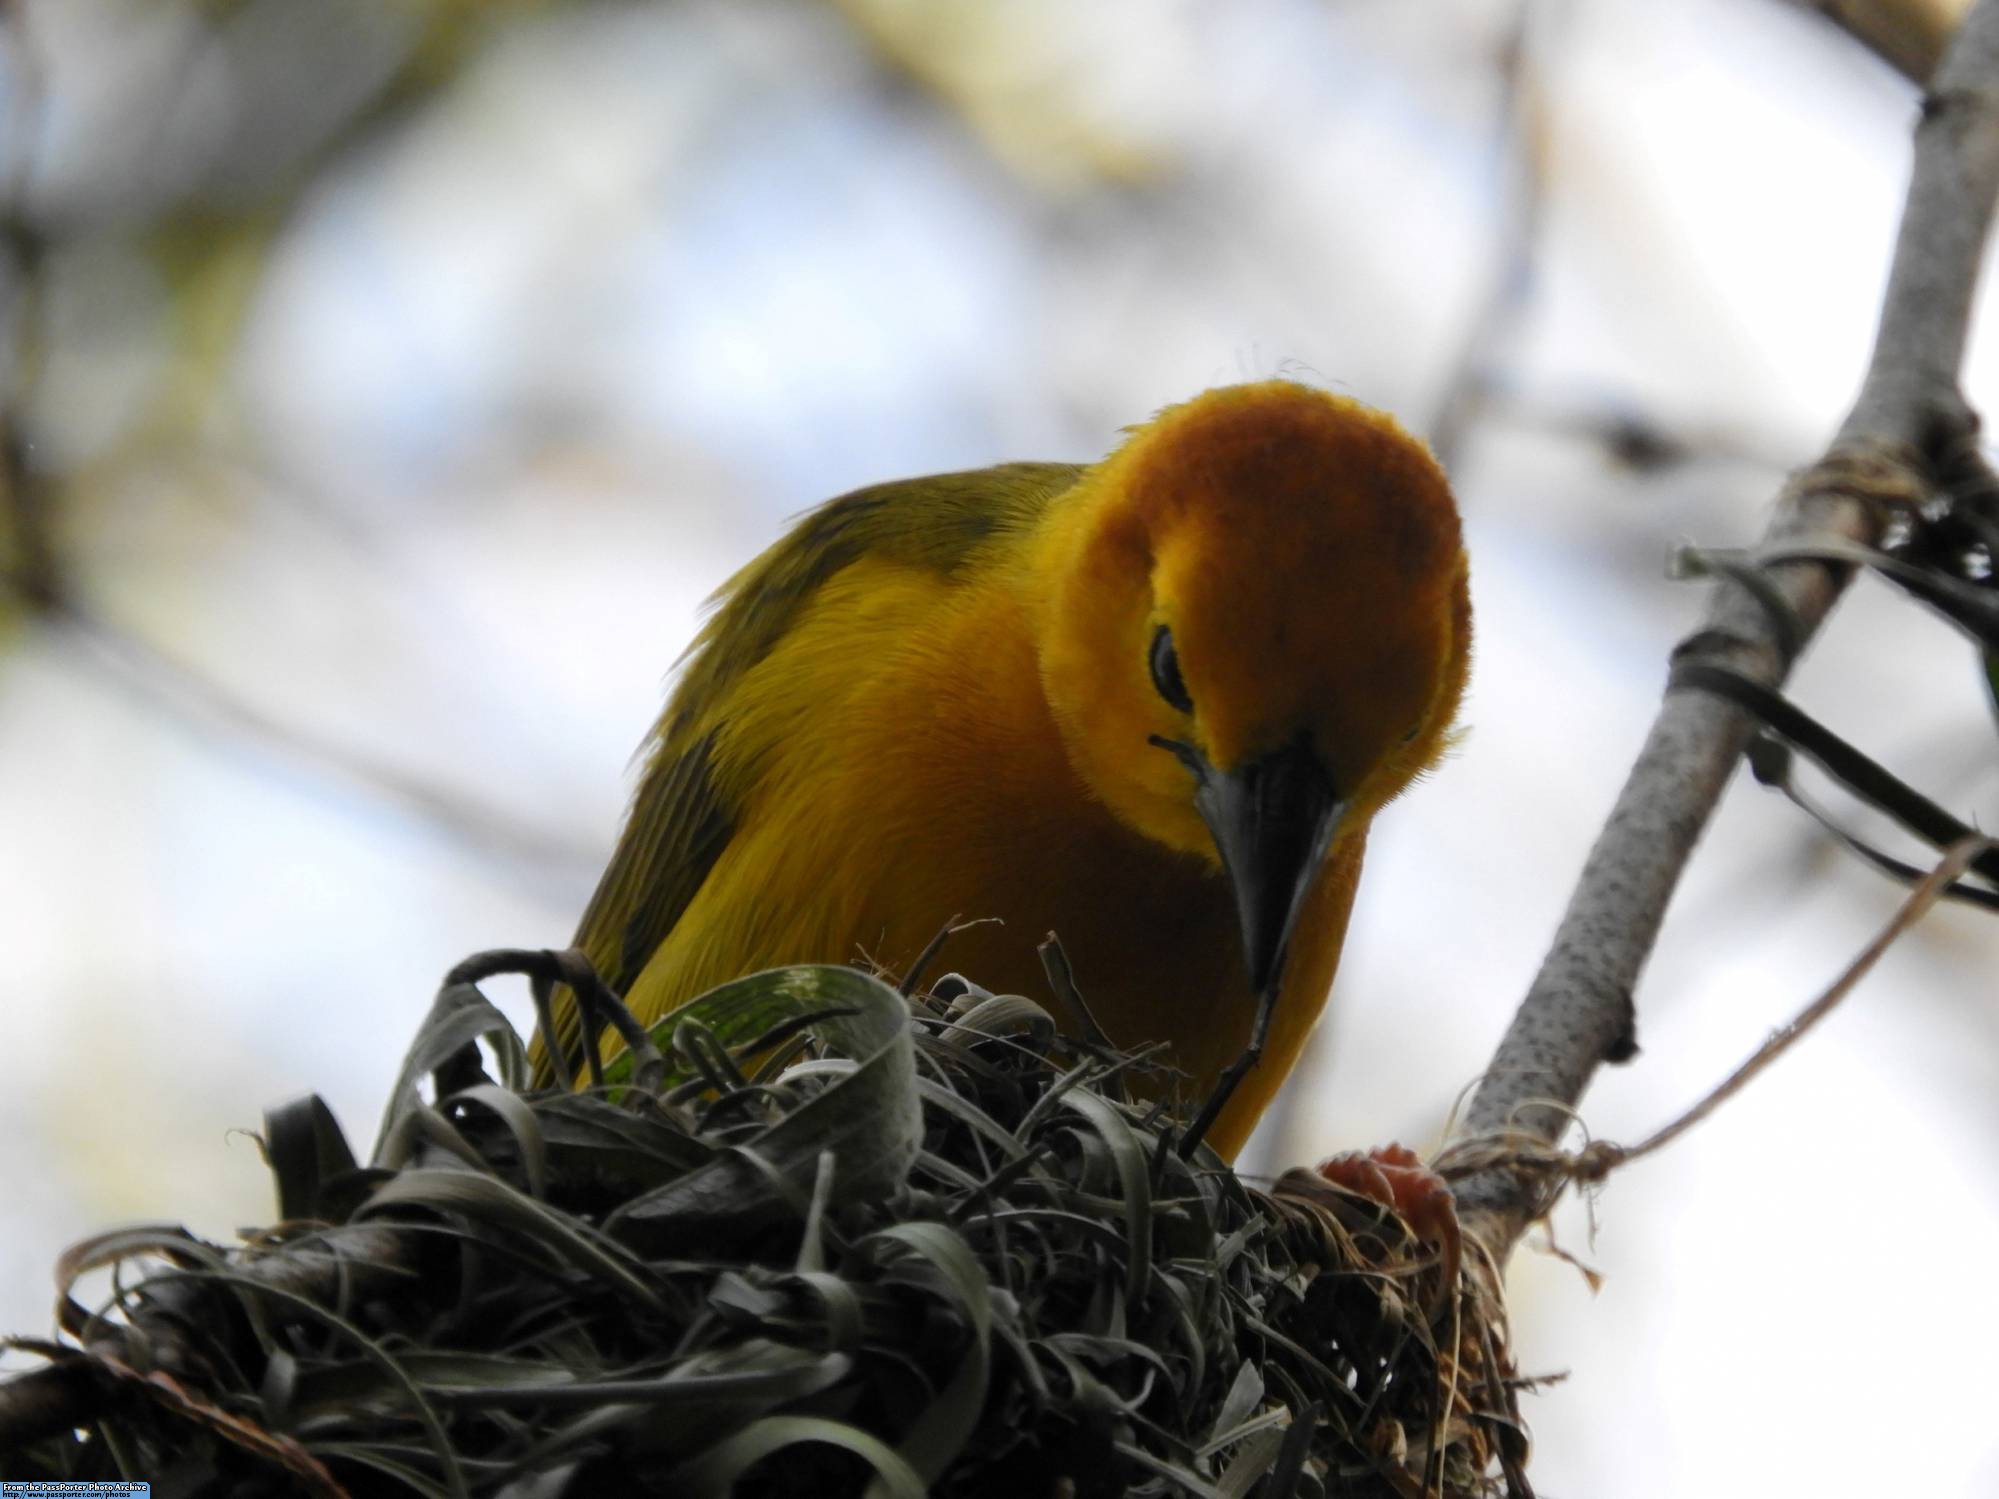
x,y
1395,1177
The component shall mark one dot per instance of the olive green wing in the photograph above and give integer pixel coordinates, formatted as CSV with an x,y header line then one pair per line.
x,y
681,819
941,523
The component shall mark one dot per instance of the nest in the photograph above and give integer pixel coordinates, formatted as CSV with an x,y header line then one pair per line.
x,y
799,1246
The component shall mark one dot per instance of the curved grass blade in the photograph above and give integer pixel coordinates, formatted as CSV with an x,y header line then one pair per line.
x,y
304,1148
491,1201
459,1017
937,1436
1128,1158
870,1120
1865,777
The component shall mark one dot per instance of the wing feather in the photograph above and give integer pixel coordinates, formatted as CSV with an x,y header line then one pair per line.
x,y
681,819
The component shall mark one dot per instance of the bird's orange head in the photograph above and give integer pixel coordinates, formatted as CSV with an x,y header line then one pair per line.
x,y
1256,632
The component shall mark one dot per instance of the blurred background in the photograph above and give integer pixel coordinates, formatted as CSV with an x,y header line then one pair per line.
x,y
387,382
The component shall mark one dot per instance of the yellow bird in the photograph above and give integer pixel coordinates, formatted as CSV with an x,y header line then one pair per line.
x,y
1151,704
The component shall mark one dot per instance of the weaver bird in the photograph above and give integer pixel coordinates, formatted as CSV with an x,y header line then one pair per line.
x,y
1151,704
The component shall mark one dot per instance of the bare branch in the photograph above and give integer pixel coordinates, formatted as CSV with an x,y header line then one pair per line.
x,y
1909,429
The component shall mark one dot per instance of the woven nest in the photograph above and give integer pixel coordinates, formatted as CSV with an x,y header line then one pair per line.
x,y
801,1246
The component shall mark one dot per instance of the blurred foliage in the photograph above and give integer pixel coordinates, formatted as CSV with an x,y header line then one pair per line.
x,y
156,151
153,153
1036,80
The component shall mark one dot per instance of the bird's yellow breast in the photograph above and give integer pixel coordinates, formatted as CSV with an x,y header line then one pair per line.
x,y
868,752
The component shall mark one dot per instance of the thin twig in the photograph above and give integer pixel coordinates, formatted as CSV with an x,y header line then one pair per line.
x,y
184,692
1062,980
1625,433
930,950
1601,1157
1596,1160
1522,175
1909,422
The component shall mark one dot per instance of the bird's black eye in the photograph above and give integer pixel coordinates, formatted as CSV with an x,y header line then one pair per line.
x,y
1166,671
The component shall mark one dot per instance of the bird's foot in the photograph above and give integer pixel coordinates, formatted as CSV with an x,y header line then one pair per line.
x,y
1395,1177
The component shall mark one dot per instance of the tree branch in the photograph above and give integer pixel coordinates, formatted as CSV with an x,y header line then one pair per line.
x,y
1909,431
1521,178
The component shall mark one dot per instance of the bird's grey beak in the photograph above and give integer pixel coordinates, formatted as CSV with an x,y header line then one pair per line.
x,y
1272,820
